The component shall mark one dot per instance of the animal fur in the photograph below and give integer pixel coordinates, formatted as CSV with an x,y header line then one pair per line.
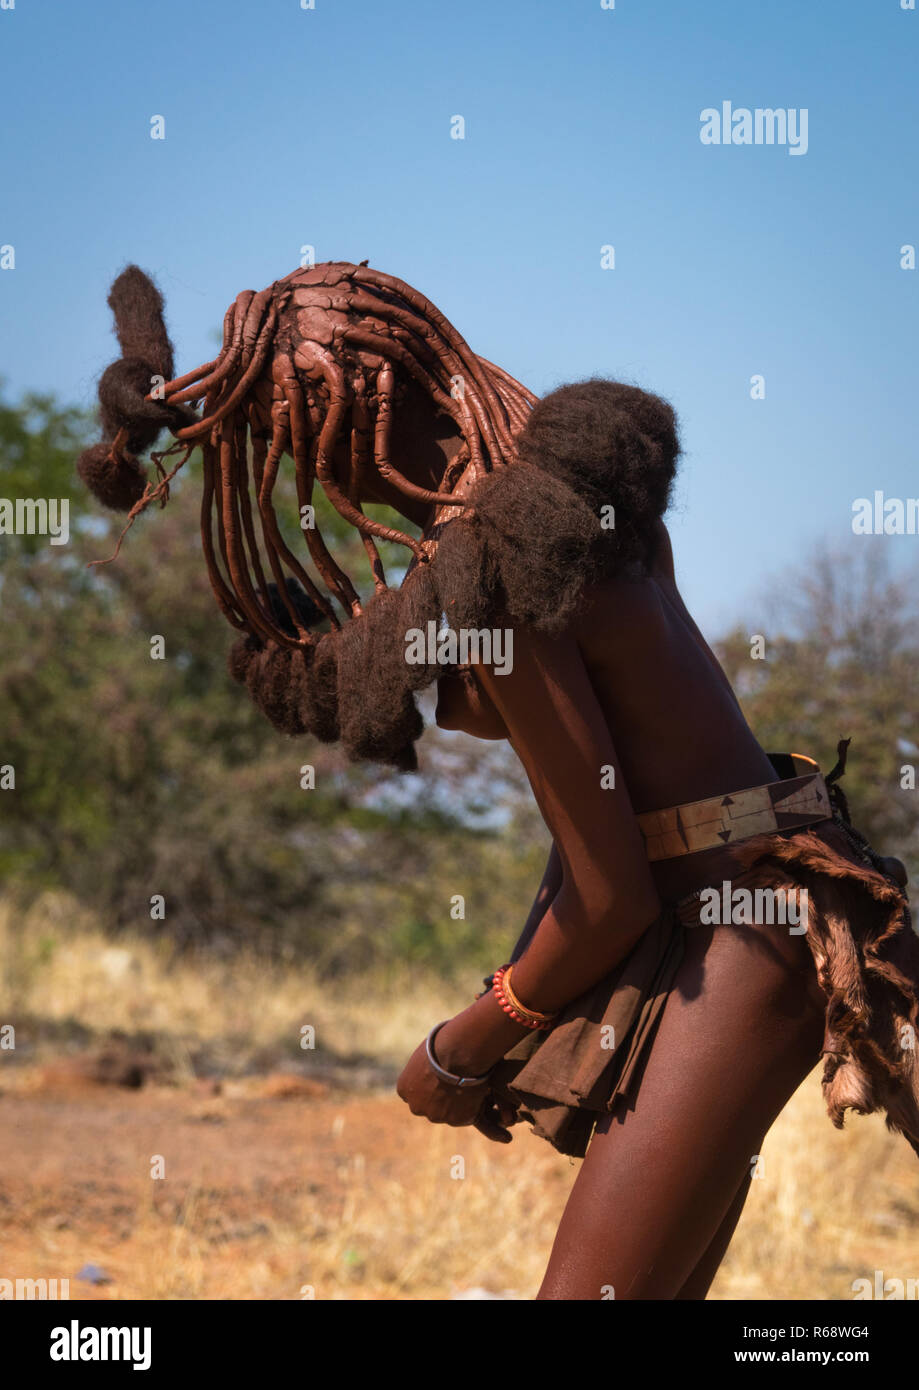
x,y
866,952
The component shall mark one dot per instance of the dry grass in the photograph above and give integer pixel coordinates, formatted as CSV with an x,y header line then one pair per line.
x,y
344,1193
60,969
831,1207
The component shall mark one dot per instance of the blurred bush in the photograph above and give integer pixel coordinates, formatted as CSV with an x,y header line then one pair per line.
x,y
137,777
842,651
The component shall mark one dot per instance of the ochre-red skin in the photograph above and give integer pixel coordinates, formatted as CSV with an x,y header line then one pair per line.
x,y
630,684
662,1186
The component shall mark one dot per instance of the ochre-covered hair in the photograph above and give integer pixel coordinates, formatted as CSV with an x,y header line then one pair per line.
x,y
321,357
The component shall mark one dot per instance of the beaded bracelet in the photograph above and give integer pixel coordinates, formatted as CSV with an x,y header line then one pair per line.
x,y
530,1018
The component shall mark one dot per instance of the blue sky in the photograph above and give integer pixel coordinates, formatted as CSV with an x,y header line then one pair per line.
x,y
331,127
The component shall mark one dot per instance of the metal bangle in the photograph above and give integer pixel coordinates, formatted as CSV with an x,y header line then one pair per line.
x,y
448,1076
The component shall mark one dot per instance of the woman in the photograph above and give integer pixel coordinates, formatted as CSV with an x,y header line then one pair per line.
x,y
631,1017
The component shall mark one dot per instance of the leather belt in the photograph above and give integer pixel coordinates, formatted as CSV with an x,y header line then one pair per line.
x,y
726,820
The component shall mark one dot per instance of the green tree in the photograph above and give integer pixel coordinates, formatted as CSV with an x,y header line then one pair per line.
x,y
38,442
841,652
137,777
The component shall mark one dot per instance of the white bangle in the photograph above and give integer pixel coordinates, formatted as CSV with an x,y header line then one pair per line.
x,y
448,1076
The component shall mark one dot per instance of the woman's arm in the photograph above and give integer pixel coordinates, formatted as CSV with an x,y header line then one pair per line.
x,y
425,1095
607,896
551,883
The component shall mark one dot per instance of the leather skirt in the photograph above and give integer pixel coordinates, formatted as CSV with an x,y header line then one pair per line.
x,y
866,956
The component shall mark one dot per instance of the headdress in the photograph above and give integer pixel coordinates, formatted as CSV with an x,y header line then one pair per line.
x,y
321,361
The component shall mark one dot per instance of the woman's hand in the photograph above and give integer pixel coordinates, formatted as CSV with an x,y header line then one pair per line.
x,y
425,1094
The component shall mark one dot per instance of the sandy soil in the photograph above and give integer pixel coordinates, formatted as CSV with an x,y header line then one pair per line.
x,y
272,1186
283,1187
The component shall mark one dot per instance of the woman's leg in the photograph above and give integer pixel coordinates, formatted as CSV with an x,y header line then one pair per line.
x,y
700,1281
662,1185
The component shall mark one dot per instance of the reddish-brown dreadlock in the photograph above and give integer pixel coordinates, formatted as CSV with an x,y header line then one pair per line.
x,y
325,341
317,361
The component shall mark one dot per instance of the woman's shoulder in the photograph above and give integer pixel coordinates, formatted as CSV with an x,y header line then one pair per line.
x,y
661,564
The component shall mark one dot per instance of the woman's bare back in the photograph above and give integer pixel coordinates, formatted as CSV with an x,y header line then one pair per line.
x,y
677,726
676,723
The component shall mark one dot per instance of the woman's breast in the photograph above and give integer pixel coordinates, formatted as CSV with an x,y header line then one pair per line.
x,y
463,706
